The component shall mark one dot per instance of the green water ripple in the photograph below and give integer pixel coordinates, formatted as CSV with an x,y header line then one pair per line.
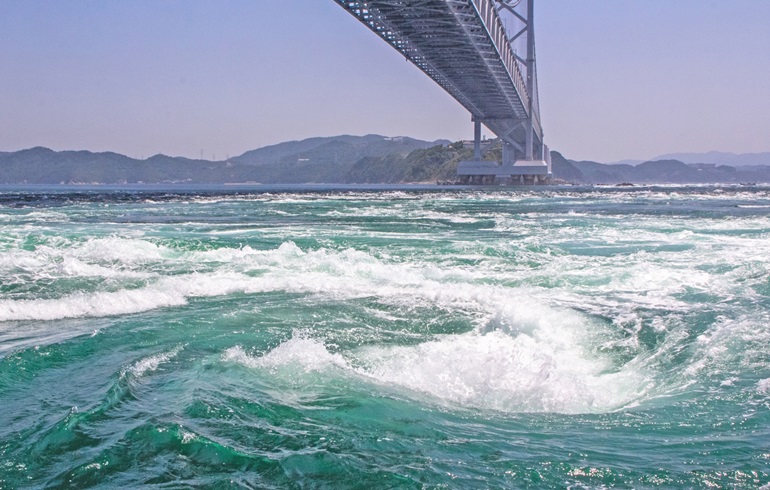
x,y
398,338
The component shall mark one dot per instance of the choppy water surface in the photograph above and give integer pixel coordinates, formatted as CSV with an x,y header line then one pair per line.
x,y
401,338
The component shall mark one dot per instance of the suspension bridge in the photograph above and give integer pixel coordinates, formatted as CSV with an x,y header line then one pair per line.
x,y
482,52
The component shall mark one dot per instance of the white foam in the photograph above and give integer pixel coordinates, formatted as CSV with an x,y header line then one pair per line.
x,y
73,267
15,260
122,250
299,352
608,286
730,344
522,361
151,363
404,214
341,274
165,292
90,304
111,257
525,355
46,216
763,386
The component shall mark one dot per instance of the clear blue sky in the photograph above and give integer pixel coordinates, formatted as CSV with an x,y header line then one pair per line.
x,y
618,79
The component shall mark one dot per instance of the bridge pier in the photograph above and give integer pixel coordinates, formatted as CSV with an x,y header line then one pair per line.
x,y
489,172
509,154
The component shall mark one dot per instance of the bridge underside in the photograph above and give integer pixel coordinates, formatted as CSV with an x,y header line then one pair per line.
x,y
462,46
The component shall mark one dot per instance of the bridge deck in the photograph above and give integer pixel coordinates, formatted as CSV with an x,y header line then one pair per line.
x,y
462,46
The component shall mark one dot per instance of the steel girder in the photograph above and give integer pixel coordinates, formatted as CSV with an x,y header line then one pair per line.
x,y
462,45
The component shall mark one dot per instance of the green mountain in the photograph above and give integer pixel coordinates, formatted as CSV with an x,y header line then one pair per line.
x,y
340,159
335,150
438,163
45,166
720,158
655,172
321,160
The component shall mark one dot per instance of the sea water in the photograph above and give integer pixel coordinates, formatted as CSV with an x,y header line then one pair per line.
x,y
407,337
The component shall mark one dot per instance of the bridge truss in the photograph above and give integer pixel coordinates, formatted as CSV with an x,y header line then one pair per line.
x,y
465,47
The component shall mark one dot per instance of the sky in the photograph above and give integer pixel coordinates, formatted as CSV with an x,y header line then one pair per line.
x,y
618,79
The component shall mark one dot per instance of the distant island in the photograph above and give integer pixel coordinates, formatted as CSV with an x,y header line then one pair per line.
x,y
354,160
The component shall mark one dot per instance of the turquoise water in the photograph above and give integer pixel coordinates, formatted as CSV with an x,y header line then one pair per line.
x,y
385,338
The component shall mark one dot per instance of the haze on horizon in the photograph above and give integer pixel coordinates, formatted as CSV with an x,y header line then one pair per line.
x,y
618,80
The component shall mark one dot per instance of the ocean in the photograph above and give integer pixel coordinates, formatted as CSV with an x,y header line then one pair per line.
x,y
385,337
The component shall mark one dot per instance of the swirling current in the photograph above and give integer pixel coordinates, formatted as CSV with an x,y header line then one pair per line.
x,y
401,337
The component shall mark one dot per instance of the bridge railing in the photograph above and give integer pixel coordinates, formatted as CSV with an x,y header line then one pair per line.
x,y
494,25
488,13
